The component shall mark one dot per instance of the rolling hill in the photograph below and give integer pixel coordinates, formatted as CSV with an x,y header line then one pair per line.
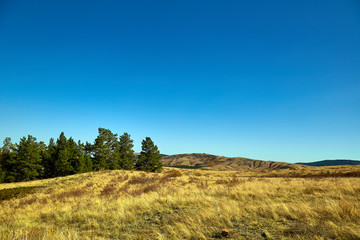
x,y
336,162
213,162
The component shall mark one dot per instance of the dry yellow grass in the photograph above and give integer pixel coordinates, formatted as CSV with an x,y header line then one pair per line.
x,y
183,204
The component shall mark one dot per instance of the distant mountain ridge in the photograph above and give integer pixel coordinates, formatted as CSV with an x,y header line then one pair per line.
x,y
335,162
214,162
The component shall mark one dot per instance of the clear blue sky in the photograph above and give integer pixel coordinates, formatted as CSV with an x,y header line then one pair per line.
x,y
271,80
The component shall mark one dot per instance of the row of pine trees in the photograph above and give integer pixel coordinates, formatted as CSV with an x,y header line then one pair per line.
x,y
30,159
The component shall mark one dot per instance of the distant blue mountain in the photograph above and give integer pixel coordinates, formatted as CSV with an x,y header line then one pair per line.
x,y
335,162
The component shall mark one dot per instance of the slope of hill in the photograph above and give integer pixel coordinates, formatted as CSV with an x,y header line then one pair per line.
x,y
336,162
213,162
181,204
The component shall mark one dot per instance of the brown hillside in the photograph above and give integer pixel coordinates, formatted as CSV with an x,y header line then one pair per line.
x,y
213,162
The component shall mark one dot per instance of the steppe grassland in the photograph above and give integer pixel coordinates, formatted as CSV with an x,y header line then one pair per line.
x,y
183,204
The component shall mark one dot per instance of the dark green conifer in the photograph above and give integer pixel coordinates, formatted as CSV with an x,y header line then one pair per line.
x,y
2,170
48,161
86,159
28,159
77,158
62,157
104,150
8,161
126,152
149,159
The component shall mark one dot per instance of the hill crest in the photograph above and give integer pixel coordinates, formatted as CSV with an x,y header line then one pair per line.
x,y
214,162
336,162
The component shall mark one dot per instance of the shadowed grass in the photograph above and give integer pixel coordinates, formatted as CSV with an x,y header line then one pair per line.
x,y
17,192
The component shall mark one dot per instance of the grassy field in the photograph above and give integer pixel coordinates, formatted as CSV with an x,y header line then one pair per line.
x,y
184,204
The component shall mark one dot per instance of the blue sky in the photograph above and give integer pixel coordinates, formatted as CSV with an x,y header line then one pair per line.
x,y
270,80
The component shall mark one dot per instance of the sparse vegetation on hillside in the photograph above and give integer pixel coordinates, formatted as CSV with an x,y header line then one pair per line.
x,y
183,204
213,162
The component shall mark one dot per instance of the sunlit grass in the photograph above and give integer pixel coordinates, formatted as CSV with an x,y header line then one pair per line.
x,y
184,204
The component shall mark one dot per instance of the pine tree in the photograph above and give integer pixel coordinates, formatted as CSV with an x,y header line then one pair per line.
x,y
89,153
77,158
149,159
43,151
8,162
6,156
87,162
49,159
2,171
104,150
28,159
61,157
126,152
88,149
65,157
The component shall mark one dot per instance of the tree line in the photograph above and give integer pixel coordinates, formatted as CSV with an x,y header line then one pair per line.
x,y
31,160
